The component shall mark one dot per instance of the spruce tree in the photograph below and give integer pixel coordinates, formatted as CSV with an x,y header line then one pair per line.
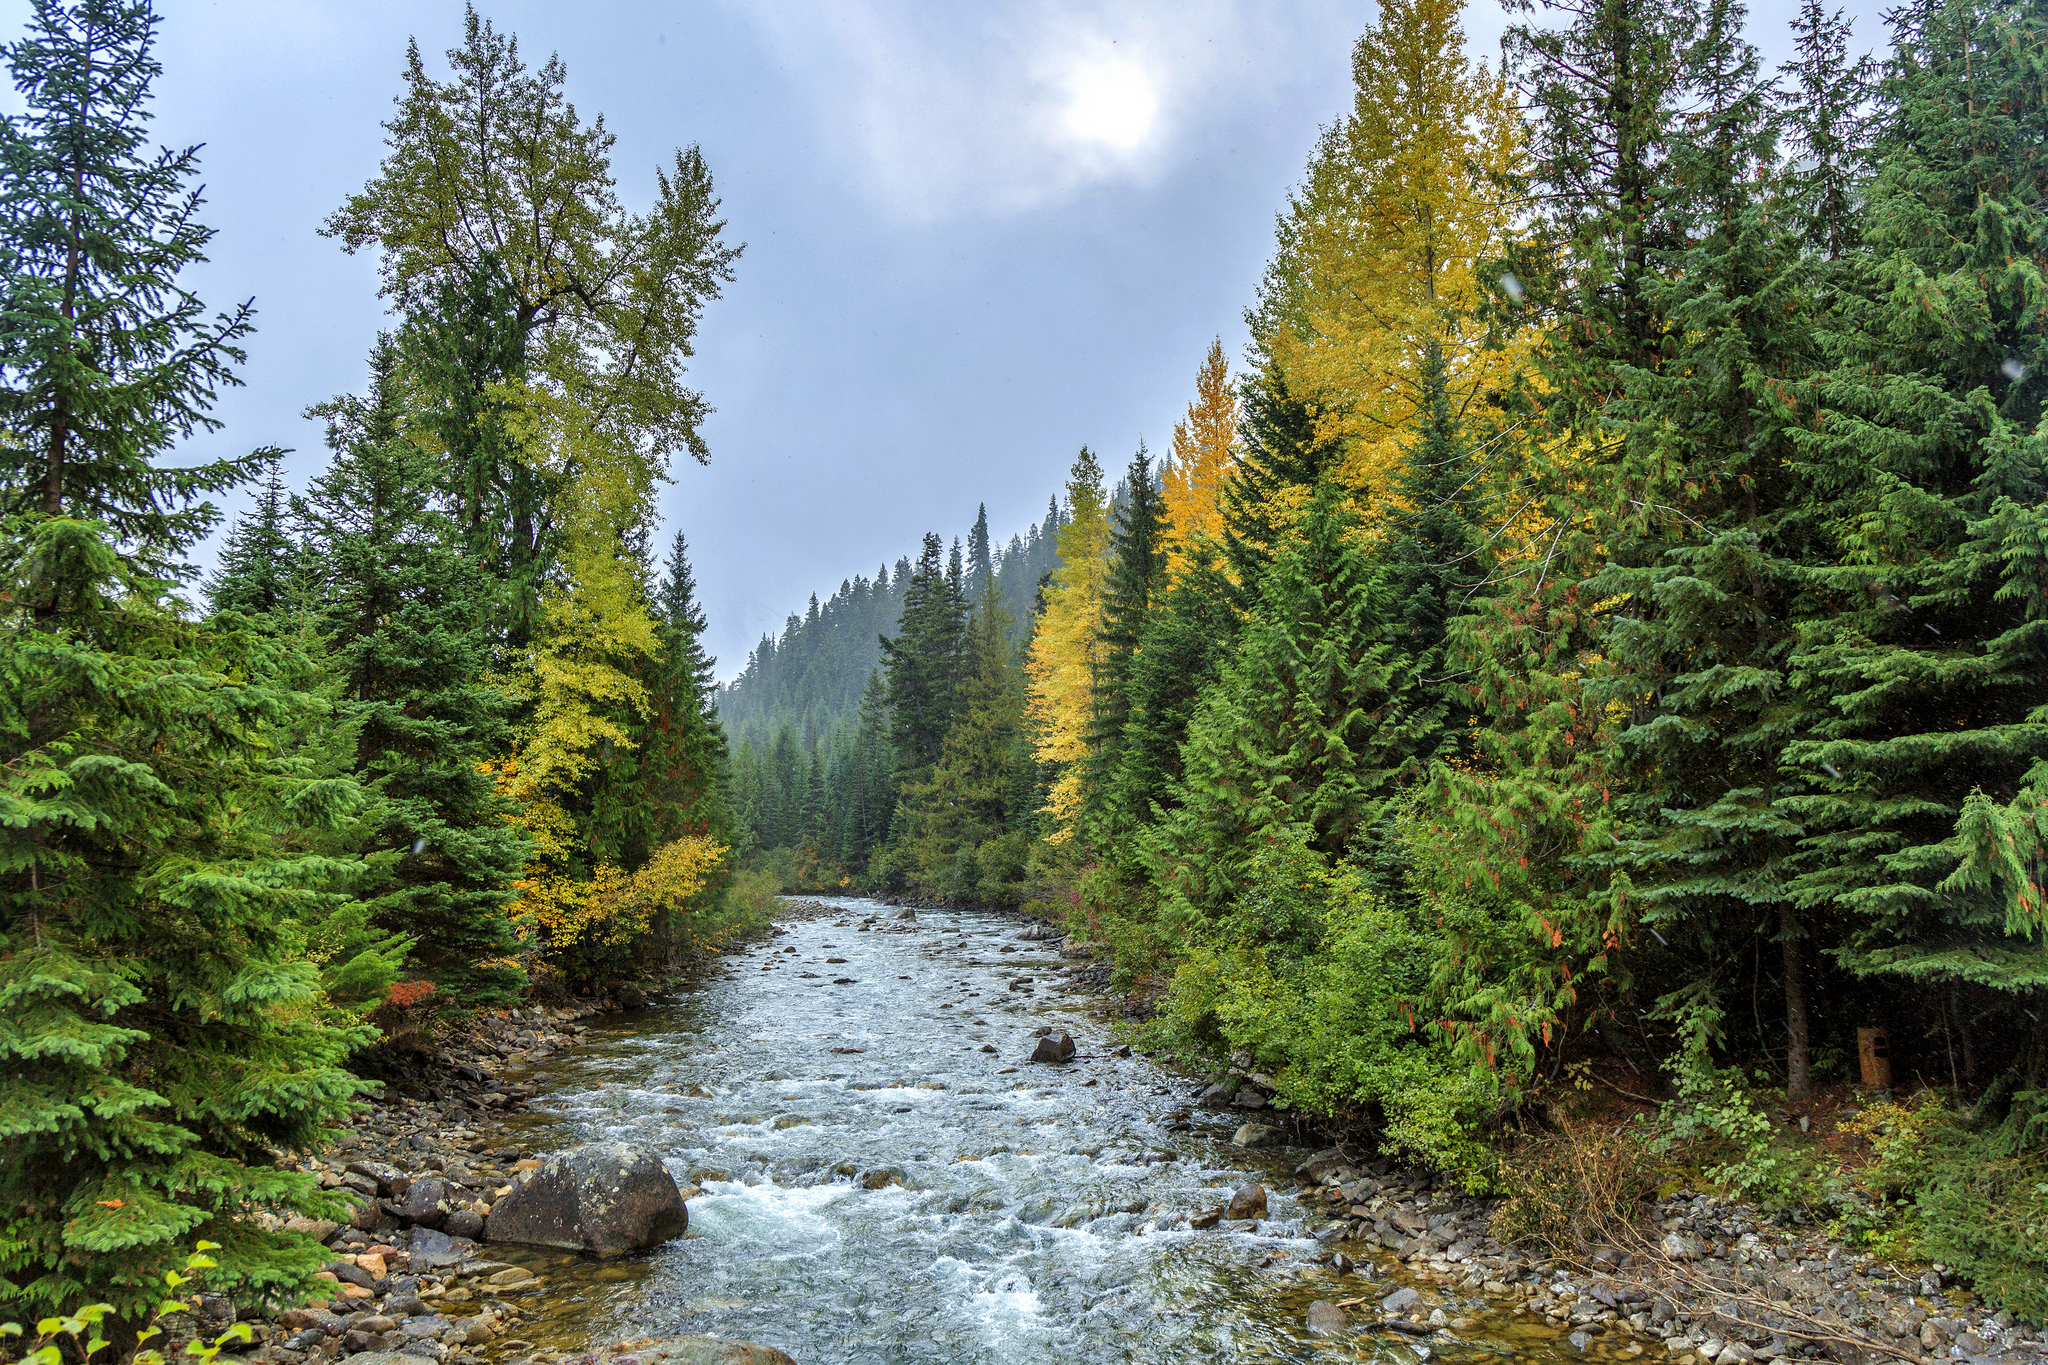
x,y
258,568
407,618
1708,548
922,663
1137,566
1306,728
161,1046
110,360
1924,651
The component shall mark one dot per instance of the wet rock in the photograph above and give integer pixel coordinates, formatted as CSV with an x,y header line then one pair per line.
x,y
404,1306
1249,1098
1247,1201
1327,1320
683,1351
429,1200
1580,1341
432,1249
1257,1135
1322,1166
464,1223
988,1047
1054,1047
609,1198
1400,1301
905,914
880,1178
1207,1218
1218,1095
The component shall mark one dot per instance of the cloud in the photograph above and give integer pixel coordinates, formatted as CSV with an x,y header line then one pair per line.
x,y
992,110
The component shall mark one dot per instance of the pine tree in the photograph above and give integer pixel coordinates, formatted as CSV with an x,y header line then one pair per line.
x,y
161,1043
1829,123
258,565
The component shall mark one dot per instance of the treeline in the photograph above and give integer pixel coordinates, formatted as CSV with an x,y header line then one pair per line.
x,y
444,732
1605,621
814,778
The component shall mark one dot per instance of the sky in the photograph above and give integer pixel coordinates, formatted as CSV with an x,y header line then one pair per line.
x,y
978,236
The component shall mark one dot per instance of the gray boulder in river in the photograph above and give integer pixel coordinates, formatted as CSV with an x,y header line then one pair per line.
x,y
605,1197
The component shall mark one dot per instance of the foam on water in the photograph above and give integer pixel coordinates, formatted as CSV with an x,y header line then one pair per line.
x,y
1023,1222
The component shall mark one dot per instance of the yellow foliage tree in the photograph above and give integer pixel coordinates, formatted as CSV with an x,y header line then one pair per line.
x,y
1204,452
1403,201
580,679
1061,667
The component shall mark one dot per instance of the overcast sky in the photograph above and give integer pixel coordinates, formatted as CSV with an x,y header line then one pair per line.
x,y
978,235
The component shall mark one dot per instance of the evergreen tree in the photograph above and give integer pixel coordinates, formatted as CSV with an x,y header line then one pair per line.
x,y
1304,727
258,564
922,663
406,615
1137,567
161,1044
1927,766
110,361
981,565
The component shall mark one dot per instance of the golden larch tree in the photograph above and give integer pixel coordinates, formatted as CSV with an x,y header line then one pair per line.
x,y
1061,667
1403,201
1204,452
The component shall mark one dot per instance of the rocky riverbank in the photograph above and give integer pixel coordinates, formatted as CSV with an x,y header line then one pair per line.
x,y
1711,1281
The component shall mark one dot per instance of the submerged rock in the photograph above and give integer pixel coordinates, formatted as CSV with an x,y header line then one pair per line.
x,y
684,1351
606,1197
1256,1135
1327,1320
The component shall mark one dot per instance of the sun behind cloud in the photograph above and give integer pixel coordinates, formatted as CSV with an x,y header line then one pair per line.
x,y
1111,102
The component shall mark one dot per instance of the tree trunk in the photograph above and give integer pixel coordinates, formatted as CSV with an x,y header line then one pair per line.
x,y
1798,1043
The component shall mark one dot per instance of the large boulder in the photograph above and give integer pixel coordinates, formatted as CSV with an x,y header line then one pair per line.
x,y
608,1198
1054,1047
684,1351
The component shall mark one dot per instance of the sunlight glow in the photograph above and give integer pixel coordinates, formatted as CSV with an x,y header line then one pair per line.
x,y
1110,101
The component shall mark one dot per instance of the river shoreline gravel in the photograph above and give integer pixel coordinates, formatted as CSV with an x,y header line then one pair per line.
x,y
1723,1286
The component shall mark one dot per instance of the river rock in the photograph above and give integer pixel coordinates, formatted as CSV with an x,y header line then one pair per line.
x,y
1400,1301
684,1351
432,1248
605,1197
464,1222
1327,1320
1247,1201
429,1201
1054,1047
1256,1135
1207,1218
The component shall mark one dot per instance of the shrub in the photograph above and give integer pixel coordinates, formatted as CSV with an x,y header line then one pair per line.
x,y
1316,977
1583,1186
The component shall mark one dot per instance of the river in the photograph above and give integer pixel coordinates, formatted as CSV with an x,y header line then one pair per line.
x,y
1035,1210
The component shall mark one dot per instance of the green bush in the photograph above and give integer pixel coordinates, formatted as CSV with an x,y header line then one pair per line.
x,y
1317,978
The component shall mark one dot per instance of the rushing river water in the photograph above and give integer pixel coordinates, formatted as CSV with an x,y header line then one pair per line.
x,y
1033,1216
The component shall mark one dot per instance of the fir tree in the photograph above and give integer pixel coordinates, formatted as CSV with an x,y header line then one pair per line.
x,y
922,663
161,1043
258,566
1137,567
406,615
